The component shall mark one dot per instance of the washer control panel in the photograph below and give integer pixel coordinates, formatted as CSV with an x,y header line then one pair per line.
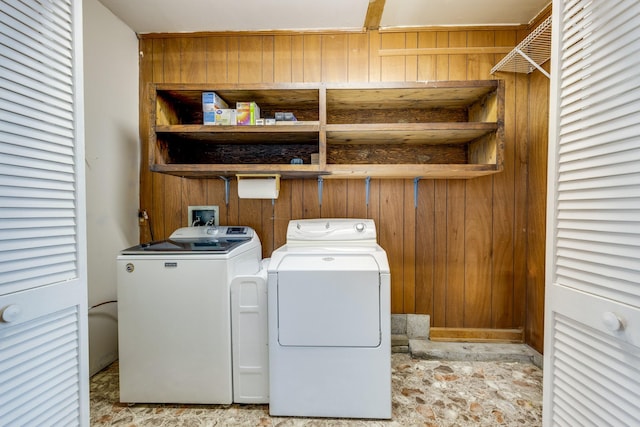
x,y
331,230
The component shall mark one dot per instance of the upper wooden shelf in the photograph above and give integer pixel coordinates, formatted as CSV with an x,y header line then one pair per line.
x,y
438,129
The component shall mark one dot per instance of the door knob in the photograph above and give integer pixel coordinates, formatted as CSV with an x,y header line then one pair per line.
x,y
11,313
611,321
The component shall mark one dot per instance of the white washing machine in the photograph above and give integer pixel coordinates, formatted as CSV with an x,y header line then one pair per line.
x,y
329,321
174,315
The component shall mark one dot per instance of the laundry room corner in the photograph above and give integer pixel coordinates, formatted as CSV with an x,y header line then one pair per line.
x,y
112,167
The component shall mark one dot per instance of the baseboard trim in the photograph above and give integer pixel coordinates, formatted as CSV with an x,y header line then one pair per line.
x,y
476,335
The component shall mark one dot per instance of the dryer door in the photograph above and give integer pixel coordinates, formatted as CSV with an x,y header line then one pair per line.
x,y
328,301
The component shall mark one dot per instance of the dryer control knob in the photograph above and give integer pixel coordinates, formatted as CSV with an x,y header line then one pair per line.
x,y
360,227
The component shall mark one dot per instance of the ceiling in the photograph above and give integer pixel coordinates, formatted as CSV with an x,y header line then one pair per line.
x,y
171,16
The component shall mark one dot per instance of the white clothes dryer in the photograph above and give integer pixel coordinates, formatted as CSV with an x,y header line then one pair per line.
x,y
329,321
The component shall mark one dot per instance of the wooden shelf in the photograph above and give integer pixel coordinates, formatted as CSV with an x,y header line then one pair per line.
x,y
393,130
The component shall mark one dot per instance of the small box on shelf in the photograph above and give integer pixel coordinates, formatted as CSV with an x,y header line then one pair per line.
x,y
247,113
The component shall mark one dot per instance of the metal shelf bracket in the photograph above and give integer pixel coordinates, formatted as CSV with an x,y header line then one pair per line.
x,y
530,53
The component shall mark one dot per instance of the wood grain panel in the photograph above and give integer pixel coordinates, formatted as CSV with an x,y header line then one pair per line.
x,y
334,57
312,58
442,61
334,201
297,58
358,58
173,205
282,62
216,60
268,59
216,197
157,216
356,198
233,59
311,199
455,255
440,267
392,68
426,63
146,180
409,249
461,255
425,251
504,205
411,61
536,197
192,68
282,214
249,59
479,215
391,236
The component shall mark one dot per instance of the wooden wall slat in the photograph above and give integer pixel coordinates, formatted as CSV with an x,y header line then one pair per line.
x,y
440,267
461,255
249,59
335,57
411,61
504,206
358,58
193,67
409,249
356,198
479,212
334,200
233,59
392,68
216,60
425,248
536,226
426,63
455,255
146,179
268,69
282,58
391,236
312,54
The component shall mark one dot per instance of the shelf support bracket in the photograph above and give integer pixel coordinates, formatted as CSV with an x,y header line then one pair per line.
x,y
226,189
532,62
367,189
415,191
320,183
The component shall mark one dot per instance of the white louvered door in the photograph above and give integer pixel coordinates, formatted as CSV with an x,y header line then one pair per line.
x,y
592,319
43,309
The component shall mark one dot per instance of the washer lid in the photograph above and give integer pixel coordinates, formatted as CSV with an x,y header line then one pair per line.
x,y
306,231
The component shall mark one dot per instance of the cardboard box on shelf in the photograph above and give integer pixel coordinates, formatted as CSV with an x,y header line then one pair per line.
x,y
211,102
226,117
285,116
247,113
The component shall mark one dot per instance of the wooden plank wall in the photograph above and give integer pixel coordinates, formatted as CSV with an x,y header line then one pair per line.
x,y
459,254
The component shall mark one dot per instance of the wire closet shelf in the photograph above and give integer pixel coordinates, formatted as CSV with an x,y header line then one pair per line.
x,y
530,53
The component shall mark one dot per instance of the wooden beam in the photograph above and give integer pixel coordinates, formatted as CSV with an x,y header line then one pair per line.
x,y
374,14
445,51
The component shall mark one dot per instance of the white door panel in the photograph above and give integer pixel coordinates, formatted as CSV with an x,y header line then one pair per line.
x,y
592,319
329,308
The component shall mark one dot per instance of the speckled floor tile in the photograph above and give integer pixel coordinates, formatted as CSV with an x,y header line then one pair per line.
x,y
425,393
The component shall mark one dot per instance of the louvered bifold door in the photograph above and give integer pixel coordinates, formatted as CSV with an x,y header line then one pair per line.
x,y
592,319
43,369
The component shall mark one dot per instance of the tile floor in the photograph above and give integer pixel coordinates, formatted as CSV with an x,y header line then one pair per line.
x,y
425,393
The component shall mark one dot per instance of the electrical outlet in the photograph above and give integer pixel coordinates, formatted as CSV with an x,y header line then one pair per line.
x,y
203,215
